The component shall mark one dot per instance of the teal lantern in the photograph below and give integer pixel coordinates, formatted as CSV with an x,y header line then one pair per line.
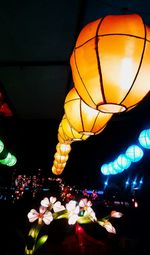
x,y
118,168
123,161
104,169
111,169
134,153
144,138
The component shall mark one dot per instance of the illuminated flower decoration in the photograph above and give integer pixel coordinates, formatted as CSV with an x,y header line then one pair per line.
x,y
52,204
73,211
41,216
85,206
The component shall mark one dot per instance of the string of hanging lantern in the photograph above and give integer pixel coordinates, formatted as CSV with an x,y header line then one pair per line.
x,y
133,154
110,69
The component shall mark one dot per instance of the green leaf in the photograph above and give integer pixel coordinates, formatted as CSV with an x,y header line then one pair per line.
x,y
62,216
57,215
84,220
34,232
41,241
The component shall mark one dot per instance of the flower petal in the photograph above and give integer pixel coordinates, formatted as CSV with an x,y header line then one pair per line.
x,y
108,226
57,207
42,209
32,215
83,202
116,214
45,202
52,200
47,218
71,205
72,219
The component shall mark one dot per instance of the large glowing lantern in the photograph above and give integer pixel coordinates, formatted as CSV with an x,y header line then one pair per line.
x,y
82,117
111,63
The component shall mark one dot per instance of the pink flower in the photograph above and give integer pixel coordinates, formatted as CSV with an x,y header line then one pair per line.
x,y
41,216
52,204
85,205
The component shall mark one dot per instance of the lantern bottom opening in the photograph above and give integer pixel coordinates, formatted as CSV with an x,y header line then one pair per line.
x,y
111,108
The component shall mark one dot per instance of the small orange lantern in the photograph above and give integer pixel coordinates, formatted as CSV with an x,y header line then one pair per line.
x,y
111,63
56,171
59,165
60,158
82,117
63,148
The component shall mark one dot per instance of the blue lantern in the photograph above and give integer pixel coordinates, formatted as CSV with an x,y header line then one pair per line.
x,y
134,153
117,167
144,138
123,161
111,168
104,169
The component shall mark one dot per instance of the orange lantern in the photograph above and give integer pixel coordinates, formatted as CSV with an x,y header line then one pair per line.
x,y
56,171
60,158
69,132
82,117
111,63
59,165
63,148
